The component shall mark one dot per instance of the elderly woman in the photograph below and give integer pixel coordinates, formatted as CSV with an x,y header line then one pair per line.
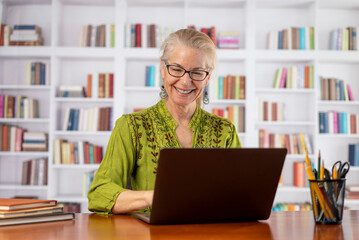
x,y
176,121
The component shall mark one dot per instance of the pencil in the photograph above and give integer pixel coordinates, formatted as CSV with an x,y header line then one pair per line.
x,y
318,172
322,171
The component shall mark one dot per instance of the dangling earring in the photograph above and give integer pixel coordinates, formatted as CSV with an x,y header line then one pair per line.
x,y
163,93
205,96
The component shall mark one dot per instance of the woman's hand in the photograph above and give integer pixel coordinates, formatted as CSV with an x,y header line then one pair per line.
x,y
129,201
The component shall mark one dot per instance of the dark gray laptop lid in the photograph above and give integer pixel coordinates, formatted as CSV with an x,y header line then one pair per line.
x,y
215,185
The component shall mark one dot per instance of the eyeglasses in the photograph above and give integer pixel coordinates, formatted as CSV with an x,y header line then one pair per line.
x,y
178,71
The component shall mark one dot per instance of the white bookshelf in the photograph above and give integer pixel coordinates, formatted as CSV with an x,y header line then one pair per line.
x,y
60,22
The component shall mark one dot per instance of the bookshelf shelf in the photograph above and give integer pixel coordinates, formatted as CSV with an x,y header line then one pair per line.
x,y
84,100
24,51
142,53
338,103
76,166
23,154
82,133
285,55
228,101
22,120
285,123
285,91
22,187
142,89
24,87
338,135
84,52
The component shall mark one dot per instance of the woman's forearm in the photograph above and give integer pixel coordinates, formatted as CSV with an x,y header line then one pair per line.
x,y
129,201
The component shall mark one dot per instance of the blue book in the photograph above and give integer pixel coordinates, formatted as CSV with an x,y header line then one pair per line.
x,y
42,74
91,153
152,75
321,122
345,122
220,87
32,79
302,38
34,141
70,120
147,79
351,155
356,155
76,120
280,40
340,122
25,27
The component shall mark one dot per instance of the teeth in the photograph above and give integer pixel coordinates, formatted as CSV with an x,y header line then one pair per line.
x,y
183,92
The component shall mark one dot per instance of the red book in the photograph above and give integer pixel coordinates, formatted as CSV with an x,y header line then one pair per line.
x,y
138,35
298,174
2,34
9,204
94,153
213,35
87,153
215,111
99,152
101,85
306,77
18,141
110,95
4,137
221,112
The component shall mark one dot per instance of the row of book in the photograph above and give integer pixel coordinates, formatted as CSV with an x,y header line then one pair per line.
x,y
334,122
228,87
17,139
353,154
145,36
228,40
352,192
300,76
100,86
344,39
153,76
37,73
76,152
18,107
87,181
298,143
14,211
235,113
301,38
292,207
92,119
300,176
21,35
270,111
34,172
97,36
334,89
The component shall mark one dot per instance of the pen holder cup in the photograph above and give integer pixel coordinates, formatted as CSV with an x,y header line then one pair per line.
x,y
327,200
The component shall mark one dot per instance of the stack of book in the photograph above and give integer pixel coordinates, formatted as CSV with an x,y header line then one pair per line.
x,y
26,35
74,91
291,38
235,113
300,76
11,138
22,211
18,107
76,152
228,40
295,143
352,191
228,87
338,122
152,78
87,181
37,73
334,89
5,32
353,154
97,36
34,141
300,177
344,39
34,172
93,119
270,111
145,36
100,87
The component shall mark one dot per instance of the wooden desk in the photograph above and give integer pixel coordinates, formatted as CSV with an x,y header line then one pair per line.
x,y
281,225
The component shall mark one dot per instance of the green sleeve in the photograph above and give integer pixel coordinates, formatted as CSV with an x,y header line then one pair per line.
x,y
233,141
111,177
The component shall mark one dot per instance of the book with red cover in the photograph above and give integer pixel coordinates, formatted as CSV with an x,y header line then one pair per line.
x,y
110,95
89,85
9,204
138,34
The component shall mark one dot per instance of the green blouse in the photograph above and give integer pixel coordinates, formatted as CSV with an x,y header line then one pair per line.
x,y
134,146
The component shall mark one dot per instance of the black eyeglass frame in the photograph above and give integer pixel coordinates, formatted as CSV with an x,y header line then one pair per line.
x,y
185,71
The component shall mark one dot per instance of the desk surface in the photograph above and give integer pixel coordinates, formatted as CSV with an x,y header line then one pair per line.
x,y
280,225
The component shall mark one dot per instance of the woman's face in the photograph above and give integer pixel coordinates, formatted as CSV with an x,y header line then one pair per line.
x,y
183,91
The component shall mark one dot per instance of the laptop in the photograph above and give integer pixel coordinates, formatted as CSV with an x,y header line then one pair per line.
x,y
196,185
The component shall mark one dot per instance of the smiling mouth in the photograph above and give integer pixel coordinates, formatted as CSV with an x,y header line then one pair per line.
x,y
182,91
